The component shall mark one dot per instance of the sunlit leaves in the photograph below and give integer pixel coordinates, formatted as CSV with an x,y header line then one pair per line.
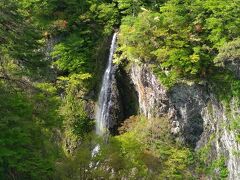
x,y
182,38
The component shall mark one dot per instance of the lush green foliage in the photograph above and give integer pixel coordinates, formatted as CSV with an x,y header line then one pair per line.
x,y
229,53
83,29
150,145
145,150
27,117
45,128
181,39
25,129
15,29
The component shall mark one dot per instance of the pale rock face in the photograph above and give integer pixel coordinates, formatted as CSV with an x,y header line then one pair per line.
x,y
182,104
225,143
194,112
152,97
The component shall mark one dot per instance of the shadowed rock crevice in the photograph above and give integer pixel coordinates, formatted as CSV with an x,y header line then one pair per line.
x,y
128,94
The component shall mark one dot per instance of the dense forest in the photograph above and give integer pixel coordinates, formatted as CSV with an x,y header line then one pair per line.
x,y
53,54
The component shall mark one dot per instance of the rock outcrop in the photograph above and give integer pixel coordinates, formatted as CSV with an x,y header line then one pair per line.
x,y
195,114
183,103
152,97
218,134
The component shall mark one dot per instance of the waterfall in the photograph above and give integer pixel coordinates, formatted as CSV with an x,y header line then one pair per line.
x,y
103,105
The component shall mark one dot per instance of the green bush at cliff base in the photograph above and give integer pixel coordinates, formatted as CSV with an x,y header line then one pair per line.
x,y
149,143
144,150
208,165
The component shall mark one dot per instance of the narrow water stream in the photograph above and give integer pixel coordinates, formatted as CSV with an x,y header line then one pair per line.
x,y
104,101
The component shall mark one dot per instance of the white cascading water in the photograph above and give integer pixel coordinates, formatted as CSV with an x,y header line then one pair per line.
x,y
102,115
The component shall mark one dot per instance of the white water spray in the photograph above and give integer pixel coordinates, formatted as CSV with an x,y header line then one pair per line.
x,y
102,115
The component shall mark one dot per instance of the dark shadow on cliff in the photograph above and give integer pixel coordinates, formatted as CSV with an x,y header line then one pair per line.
x,y
189,100
128,94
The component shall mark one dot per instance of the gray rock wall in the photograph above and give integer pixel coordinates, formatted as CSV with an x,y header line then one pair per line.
x,y
217,121
152,97
194,112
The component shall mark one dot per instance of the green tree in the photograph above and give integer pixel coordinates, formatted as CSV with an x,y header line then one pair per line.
x,y
181,40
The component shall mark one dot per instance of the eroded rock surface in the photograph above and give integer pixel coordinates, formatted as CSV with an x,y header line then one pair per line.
x,y
197,117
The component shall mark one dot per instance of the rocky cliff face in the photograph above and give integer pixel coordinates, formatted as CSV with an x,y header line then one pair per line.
x,y
197,117
152,97
183,103
217,132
